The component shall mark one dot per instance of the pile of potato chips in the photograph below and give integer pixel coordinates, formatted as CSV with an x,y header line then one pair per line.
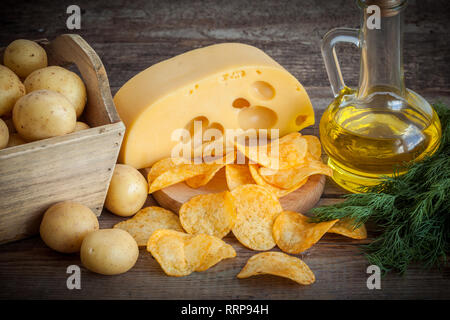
x,y
250,210
298,158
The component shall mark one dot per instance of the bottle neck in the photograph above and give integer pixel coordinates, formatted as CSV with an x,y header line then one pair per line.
x,y
382,55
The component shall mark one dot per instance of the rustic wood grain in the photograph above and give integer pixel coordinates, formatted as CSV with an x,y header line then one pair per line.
x,y
130,36
76,166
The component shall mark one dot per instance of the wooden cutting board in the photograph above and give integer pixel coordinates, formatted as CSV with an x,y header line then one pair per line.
x,y
301,200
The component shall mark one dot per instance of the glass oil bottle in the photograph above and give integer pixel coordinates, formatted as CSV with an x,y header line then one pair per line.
x,y
371,131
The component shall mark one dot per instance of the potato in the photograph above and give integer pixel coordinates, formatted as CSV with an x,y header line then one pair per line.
x,y
43,114
109,251
4,134
24,56
66,224
60,80
15,140
127,191
80,126
11,89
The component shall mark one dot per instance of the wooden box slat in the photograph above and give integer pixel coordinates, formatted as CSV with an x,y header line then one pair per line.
x,y
76,166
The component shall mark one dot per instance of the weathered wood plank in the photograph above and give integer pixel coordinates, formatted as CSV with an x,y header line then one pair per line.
x,y
145,32
34,271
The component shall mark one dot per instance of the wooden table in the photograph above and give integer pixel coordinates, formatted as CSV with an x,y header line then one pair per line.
x,y
130,36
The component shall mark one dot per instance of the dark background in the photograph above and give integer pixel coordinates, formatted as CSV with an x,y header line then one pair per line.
x,y
132,35
129,36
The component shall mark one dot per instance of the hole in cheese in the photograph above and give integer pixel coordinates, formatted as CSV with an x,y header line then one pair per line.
x,y
201,120
300,119
262,90
241,103
257,117
217,126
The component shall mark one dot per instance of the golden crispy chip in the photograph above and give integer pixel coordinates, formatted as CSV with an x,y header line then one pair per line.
x,y
286,152
314,146
238,175
294,234
292,149
195,249
179,254
213,214
218,251
201,180
146,221
278,264
256,209
159,168
346,227
214,167
167,247
204,251
178,173
278,192
290,178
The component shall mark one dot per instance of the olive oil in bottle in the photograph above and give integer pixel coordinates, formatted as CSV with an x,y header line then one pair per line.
x,y
365,142
371,131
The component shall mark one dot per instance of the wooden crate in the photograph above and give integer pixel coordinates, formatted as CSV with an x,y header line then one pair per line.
x,y
76,166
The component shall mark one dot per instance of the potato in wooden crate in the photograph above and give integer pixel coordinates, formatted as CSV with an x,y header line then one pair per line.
x,y
75,166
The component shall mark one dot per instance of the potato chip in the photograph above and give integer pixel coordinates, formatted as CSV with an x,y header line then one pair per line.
x,y
346,227
203,179
178,173
292,150
278,264
286,152
213,214
146,221
289,178
218,251
256,210
195,250
238,175
167,247
294,234
179,254
278,192
314,146
203,251
159,168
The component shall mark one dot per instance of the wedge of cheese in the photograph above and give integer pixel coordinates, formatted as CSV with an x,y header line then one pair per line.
x,y
227,86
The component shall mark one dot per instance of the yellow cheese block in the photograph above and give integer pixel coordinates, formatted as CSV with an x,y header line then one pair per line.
x,y
227,86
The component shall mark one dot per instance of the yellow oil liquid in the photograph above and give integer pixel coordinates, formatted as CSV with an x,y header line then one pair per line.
x,y
371,139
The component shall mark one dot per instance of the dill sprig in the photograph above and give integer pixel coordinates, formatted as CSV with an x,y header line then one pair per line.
x,y
411,211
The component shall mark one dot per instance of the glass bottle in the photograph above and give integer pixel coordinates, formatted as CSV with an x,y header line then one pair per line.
x,y
370,131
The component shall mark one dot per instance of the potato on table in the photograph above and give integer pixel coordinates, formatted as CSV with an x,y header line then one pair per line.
x,y
65,225
24,56
109,251
127,191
